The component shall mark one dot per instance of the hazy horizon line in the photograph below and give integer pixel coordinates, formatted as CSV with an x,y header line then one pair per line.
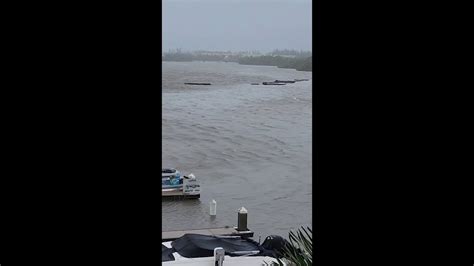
x,y
233,50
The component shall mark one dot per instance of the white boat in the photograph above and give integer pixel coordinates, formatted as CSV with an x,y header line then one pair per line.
x,y
195,249
173,184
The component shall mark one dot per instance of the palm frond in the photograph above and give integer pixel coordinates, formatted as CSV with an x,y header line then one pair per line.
x,y
298,250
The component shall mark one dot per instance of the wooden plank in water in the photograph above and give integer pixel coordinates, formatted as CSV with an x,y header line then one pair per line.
x,y
172,235
273,83
285,81
197,83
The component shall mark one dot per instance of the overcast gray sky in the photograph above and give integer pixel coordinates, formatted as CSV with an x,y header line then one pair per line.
x,y
237,25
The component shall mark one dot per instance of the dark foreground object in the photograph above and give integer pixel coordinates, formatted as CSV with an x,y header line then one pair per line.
x,y
198,246
197,83
230,231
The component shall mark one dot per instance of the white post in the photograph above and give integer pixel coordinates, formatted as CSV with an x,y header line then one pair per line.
x,y
219,254
213,208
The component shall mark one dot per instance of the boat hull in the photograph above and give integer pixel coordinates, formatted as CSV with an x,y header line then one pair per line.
x,y
173,194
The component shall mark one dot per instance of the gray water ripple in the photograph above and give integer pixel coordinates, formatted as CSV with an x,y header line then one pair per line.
x,y
249,145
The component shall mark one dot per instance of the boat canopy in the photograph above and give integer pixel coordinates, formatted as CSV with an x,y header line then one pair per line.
x,y
199,246
196,246
166,253
168,171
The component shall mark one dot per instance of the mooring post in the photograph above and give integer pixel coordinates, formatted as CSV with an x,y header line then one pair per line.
x,y
213,207
242,220
219,255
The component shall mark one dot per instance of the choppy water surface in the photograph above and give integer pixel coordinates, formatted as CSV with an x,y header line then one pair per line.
x,y
249,145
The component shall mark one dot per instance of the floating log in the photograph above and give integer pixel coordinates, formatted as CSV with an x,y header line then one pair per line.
x,y
285,81
273,83
296,80
197,83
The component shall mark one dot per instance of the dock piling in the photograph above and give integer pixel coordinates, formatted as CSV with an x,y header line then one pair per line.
x,y
242,220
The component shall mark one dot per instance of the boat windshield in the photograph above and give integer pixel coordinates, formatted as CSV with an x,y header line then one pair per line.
x,y
168,171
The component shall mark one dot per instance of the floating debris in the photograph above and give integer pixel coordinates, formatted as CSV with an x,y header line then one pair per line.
x,y
273,83
197,83
285,81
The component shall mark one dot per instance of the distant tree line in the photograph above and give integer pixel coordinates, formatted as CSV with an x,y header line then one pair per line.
x,y
179,57
293,53
299,60
298,63
188,57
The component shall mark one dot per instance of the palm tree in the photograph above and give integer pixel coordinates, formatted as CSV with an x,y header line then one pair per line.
x,y
299,250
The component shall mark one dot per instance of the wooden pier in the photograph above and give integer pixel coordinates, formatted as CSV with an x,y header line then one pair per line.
x,y
241,229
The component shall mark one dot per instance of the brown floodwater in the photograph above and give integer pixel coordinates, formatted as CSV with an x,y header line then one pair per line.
x,y
249,145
